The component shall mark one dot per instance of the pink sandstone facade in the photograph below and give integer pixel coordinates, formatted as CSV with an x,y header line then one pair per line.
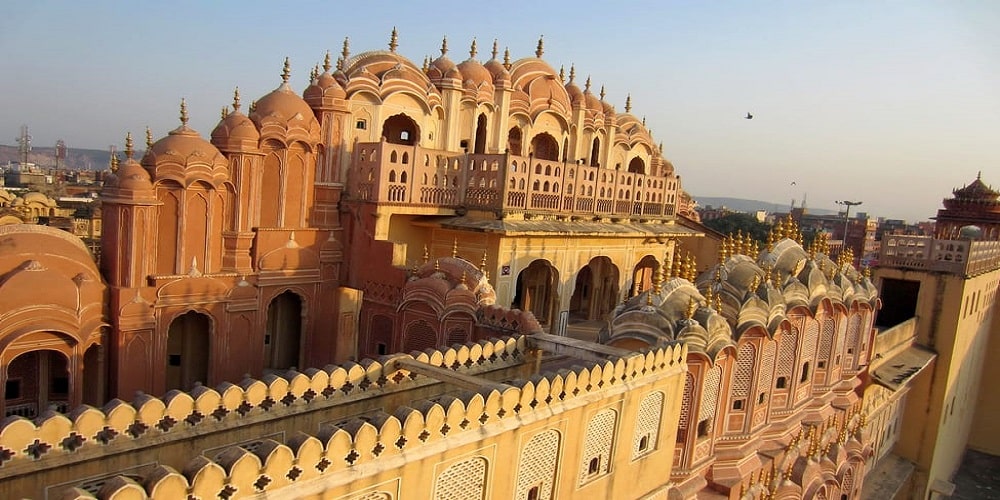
x,y
238,340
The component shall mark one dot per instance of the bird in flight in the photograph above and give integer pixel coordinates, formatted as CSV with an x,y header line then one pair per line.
x,y
749,116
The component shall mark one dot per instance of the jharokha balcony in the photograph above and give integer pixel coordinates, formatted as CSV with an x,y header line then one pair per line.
x,y
409,175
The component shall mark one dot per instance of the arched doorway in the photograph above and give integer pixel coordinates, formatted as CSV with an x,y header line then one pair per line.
x,y
545,147
596,290
93,376
283,336
643,275
595,153
35,381
637,166
514,141
480,146
537,290
187,350
400,129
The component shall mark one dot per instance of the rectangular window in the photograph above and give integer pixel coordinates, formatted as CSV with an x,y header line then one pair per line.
x,y
360,125
174,360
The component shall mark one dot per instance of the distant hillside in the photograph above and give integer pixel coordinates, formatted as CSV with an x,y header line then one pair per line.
x,y
741,205
76,159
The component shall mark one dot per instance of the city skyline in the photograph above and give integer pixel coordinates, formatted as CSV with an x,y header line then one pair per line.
x,y
886,95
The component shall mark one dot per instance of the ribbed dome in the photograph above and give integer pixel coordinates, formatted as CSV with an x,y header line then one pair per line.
x,y
326,86
131,176
183,143
236,132
474,73
573,90
282,102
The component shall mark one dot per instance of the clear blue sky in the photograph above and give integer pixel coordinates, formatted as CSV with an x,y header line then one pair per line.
x,y
892,103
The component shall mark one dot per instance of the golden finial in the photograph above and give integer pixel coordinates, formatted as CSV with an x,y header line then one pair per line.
x,y
718,275
866,272
562,73
427,64
506,58
628,103
743,490
463,277
444,46
326,62
692,307
128,145
755,282
709,295
427,255
572,73
345,52
149,139
658,278
602,93
473,50
415,269
253,106
114,160
722,253
224,112
314,73
393,40
437,264
541,47
586,85
789,470
649,299
286,70
691,268
675,264
454,249
184,112
482,265
494,53
718,302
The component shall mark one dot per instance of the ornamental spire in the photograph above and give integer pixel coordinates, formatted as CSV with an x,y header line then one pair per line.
x,y
562,74
494,53
473,49
345,52
572,72
506,58
628,103
114,160
586,86
541,47
236,99
454,249
393,40
326,62
286,71
128,145
184,112
444,46
149,139
602,93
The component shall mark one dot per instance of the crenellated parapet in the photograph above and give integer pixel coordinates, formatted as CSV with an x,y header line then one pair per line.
x,y
26,445
409,433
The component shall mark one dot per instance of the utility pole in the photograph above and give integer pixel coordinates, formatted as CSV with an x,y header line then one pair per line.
x,y
847,217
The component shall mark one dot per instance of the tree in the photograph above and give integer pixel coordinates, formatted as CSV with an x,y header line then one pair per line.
x,y
732,223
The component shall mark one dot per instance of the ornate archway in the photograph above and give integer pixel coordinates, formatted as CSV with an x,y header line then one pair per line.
x,y
283,336
187,350
596,291
400,129
537,291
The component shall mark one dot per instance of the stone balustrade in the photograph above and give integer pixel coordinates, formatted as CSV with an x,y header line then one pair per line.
x,y
964,257
410,175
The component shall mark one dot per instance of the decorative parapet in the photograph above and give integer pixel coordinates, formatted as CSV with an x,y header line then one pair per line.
x,y
963,257
239,473
399,174
87,432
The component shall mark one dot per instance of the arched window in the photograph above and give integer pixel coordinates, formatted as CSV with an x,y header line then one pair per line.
x,y
545,147
400,129
637,166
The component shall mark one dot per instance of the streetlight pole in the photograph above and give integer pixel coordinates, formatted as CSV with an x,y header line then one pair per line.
x,y
847,217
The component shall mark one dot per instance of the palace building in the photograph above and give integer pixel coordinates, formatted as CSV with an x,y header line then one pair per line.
x,y
454,280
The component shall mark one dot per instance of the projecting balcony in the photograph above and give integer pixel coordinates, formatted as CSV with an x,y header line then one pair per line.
x,y
963,257
408,175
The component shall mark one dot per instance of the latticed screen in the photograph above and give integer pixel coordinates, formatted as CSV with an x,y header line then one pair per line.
x,y
465,480
537,468
600,436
